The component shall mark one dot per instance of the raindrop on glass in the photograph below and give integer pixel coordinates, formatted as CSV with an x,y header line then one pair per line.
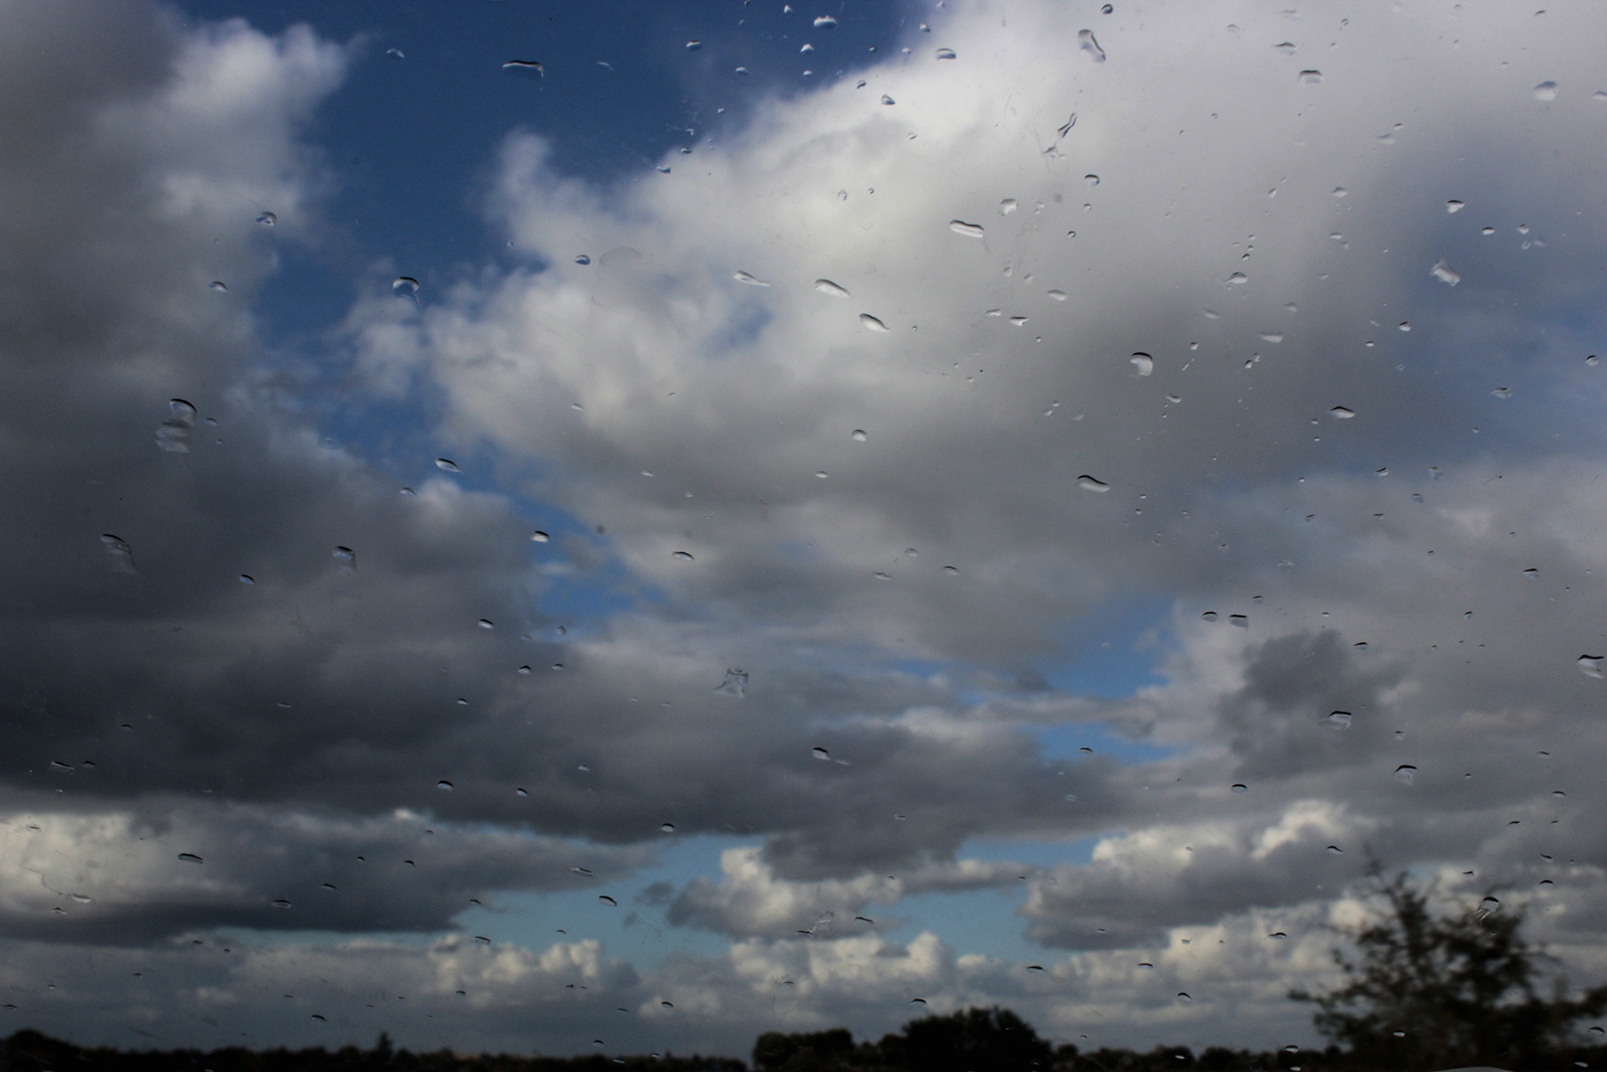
x,y
1590,665
268,219
945,53
1089,483
122,555
1142,363
820,753
1085,38
1545,91
539,537
219,285
1341,413
173,434
1310,77
826,286
405,286
735,684
754,281
858,435
1239,787
1405,773
871,323
970,230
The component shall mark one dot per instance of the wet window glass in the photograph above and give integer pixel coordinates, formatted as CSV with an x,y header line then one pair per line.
x,y
825,535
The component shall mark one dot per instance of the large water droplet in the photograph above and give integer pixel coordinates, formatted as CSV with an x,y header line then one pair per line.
x,y
448,465
1085,38
405,286
525,67
735,684
539,537
870,322
607,900
744,277
1341,413
1405,773
858,435
1237,279
219,285
345,557
1090,483
1239,787
1338,720
1142,363
945,53
969,230
826,286
1545,91
693,46
174,433
1591,665
682,556
1310,77
825,22
189,857
820,753
122,555
1239,621
1443,271
888,100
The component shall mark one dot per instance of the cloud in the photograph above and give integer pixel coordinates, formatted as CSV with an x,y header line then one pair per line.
x,y
257,650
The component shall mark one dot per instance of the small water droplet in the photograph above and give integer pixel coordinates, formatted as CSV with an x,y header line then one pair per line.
x,y
1591,665
1209,616
395,53
1341,413
1090,483
173,435
1007,206
1404,325
1142,363
1310,77
970,230
1545,91
1239,621
888,100
443,784
858,435
1090,180
1237,279
1057,295
1336,850
820,753
952,571
405,286
826,286
825,22
525,67
666,828
219,285
1086,40
607,900
1184,996
1454,206
539,537
246,578
1532,574
871,323
268,219
682,556
1239,787
345,557
1405,774
945,53
189,857
754,281
1146,965
1338,720
583,259
281,903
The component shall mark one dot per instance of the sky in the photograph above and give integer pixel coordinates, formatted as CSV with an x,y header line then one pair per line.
x,y
784,517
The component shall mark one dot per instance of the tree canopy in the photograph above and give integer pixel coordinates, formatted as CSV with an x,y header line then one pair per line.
x,y
1425,990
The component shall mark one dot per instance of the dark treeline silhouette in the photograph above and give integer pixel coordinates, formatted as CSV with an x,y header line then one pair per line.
x,y
1419,992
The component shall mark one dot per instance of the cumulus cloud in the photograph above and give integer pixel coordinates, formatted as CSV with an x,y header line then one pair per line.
x,y
864,435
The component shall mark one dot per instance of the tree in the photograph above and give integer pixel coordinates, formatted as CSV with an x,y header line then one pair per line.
x,y
1435,991
976,1040
802,1052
